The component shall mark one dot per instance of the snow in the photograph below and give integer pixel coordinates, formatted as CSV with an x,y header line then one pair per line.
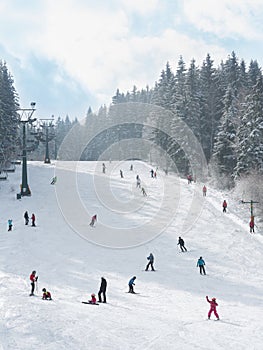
x,y
70,257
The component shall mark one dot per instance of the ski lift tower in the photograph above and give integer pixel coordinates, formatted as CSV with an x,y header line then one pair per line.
x,y
25,117
251,202
47,135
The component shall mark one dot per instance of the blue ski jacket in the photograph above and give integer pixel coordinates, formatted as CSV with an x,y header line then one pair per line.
x,y
131,282
200,262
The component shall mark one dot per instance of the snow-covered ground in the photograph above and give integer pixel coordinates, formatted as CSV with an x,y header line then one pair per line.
x,y
70,257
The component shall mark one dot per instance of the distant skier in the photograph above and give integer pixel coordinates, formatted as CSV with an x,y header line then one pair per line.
x,y
138,182
131,284
33,279
103,168
121,174
181,243
204,191
189,178
224,206
54,180
213,305
131,167
33,220
10,224
143,192
201,264
152,172
93,299
46,294
26,217
103,287
93,220
150,263
252,225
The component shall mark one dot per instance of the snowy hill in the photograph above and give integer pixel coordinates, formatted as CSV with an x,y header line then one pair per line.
x,y
70,257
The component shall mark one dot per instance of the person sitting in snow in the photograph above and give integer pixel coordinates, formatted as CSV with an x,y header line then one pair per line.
x,y
93,299
213,305
46,294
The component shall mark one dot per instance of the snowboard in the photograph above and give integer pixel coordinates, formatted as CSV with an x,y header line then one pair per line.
x,y
87,302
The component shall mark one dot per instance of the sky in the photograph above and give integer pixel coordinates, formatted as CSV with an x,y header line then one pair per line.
x,y
69,55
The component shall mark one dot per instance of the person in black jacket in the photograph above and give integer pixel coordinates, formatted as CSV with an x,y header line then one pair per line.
x,y
26,217
103,287
181,243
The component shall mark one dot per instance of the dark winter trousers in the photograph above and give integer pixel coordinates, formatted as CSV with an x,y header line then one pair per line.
x,y
33,223
183,249
202,269
10,228
32,287
103,292
131,288
224,209
150,263
252,229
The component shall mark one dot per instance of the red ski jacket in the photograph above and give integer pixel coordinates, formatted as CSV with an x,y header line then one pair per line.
x,y
213,303
32,277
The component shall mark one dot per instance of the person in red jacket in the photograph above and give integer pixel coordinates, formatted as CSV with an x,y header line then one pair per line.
x,y
252,225
213,305
33,279
204,191
224,206
93,220
33,218
93,299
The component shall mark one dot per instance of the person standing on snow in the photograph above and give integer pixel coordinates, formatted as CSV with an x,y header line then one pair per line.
x,y
251,226
26,217
181,243
93,220
150,263
204,191
201,264
121,174
33,279
138,181
103,287
144,192
10,224
224,206
131,284
33,219
103,168
213,305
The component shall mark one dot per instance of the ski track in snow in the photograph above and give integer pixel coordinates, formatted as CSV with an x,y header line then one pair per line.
x,y
170,311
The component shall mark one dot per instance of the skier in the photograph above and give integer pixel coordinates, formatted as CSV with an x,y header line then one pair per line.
x,y
93,299
150,263
121,174
33,278
152,172
33,218
155,175
93,220
10,224
131,284
190,179
54,180
213,305
143,192
181,243
201,264
103,287
251,225
131,168
138,182
46,294
204,191
224,206
103,168
26,217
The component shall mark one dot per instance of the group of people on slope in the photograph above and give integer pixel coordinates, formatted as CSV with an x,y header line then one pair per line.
x,y
26,217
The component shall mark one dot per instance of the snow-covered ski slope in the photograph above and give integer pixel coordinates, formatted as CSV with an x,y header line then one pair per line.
x,y
70,257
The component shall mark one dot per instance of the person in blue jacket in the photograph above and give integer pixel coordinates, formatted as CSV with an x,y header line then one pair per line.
x,y
10,225
150,263
131,284
201,264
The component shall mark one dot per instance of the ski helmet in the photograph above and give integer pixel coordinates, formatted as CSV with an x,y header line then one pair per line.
x,y
93,295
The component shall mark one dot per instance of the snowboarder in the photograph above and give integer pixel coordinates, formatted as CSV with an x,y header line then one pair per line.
x,y
224,206
46,294
152,172
103,168
204,191
181,243
33,219
213,305
143,192
138,182
93,220
54,180
10,224
121,174
150,263
252,225
26,217
201,264
103,287
93,299
33,278
131,284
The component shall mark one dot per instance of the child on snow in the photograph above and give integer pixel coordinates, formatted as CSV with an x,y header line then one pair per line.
x,y
93,299
46,294
213,305
10,225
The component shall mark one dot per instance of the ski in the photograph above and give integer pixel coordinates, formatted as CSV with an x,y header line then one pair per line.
x,y
86,302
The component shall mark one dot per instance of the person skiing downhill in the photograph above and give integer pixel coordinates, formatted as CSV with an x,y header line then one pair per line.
x,y
181,243
93,220
103,287
121,174
131,284
10,224
251,226
138,181
46,294
224,206
33,278
26,217
144,192
103,168
150,263
201,264
204,191
213,305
